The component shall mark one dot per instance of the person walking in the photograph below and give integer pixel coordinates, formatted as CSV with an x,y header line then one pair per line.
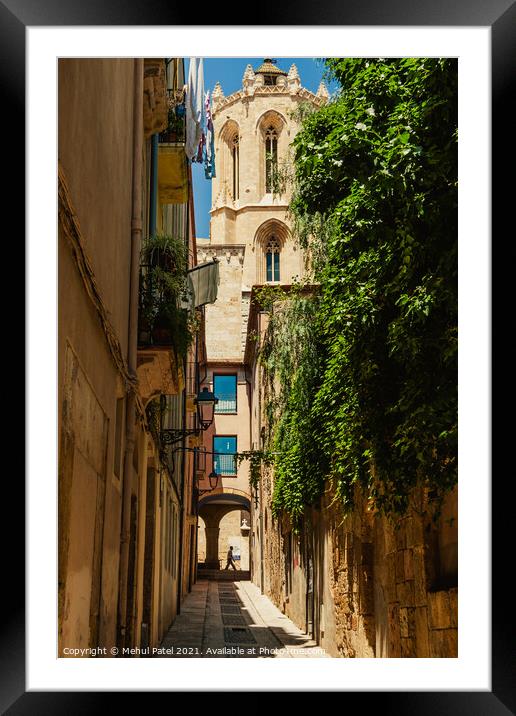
x,y
230,560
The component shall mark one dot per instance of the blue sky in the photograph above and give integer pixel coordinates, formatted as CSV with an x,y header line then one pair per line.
x,y
229,72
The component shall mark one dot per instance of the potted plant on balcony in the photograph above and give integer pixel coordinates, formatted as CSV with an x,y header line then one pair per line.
x,y
169,255
175,129
163,286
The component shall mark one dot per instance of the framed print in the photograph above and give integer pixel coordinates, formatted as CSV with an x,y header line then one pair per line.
x,y
164,518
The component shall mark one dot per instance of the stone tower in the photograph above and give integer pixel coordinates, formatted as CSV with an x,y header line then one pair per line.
x,y
249,231
250,236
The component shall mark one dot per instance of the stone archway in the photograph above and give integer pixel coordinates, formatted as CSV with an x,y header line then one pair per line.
x,y
212,509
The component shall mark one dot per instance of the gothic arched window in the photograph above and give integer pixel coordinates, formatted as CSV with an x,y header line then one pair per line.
x,y
271,157
228,161
235,154
272,260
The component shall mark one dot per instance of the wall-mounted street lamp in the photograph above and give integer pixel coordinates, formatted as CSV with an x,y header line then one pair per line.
x,y
205,402
214,479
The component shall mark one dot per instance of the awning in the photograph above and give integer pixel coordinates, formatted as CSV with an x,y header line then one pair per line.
x,y
204,283
172,175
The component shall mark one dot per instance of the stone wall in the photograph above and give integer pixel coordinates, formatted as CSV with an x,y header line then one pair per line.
x,y
363,585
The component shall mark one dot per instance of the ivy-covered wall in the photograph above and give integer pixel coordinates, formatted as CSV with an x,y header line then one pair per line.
x,y
366,363
358,381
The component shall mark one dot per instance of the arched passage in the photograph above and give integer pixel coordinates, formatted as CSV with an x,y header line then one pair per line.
x,y
213,510
201,540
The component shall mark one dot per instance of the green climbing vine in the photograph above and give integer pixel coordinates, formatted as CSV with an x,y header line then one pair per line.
x,y
256,459
360,371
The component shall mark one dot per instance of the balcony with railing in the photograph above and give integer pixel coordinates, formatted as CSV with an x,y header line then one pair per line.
x,y
175,132
227,403
164,332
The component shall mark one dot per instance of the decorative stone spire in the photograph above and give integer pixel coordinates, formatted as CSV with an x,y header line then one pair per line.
x,y
248,80
293,73
323,92
217,96
248,74
293,80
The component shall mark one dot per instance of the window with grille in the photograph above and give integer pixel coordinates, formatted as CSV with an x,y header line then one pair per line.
x,y
224,460
225,389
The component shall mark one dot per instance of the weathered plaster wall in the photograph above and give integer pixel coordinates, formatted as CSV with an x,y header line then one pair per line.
x,y
95,109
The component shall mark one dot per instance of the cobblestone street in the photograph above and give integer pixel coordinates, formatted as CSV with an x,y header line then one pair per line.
x,y
233,619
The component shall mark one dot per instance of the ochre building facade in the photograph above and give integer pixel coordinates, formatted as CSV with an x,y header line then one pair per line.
x,y
127,510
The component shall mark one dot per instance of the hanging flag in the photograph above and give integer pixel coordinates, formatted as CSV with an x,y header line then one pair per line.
x,y
209,144
194,107
203,283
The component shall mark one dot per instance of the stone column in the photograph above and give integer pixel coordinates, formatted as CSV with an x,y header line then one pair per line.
x,y
212,548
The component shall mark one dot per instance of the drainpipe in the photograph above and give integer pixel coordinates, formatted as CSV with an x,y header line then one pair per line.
x,y
250,404
183,442
136,237
153,194
181,511
260,498
262,537
194,467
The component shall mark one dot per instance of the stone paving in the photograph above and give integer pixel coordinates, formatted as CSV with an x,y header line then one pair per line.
x,y
234,620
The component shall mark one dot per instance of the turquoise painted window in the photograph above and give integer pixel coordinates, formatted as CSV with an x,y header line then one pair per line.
x,y
224,449
225,389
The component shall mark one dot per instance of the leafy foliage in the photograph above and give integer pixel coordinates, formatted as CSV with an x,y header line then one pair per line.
x,y
362,374
256,459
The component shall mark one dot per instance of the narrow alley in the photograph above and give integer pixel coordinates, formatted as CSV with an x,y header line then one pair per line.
x,y
232,619
240,386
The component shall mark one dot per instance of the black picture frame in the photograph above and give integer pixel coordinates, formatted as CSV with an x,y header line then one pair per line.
x,y
500,16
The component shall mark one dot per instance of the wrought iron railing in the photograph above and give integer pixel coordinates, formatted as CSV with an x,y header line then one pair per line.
x,y
153,328
227,403
224,464
161,321
175,133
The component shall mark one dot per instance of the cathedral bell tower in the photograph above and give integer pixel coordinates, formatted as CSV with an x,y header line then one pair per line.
x,y
249,231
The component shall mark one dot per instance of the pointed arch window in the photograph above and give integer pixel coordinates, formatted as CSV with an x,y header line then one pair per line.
x,y
235,154
272,260
271,157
